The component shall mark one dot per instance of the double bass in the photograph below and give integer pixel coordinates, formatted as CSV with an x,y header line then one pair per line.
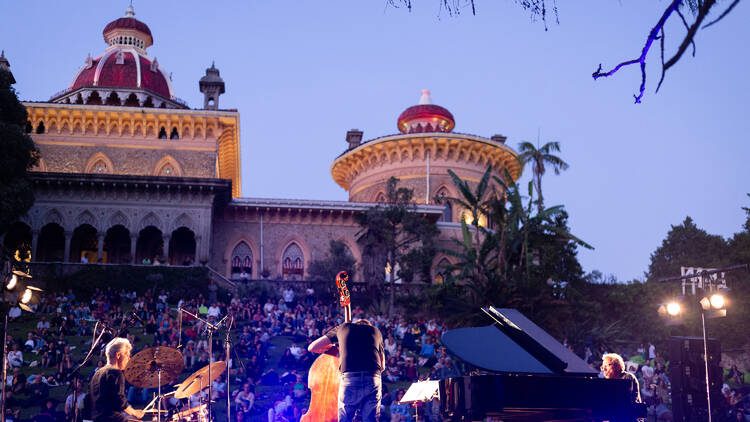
x,y
324,377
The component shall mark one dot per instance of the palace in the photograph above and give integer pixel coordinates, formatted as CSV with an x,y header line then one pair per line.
x,y
130,174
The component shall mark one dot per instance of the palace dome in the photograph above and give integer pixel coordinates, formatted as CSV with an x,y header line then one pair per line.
x,y
124,74
425,117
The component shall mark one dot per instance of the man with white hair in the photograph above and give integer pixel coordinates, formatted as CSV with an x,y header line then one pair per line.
x,y
107,388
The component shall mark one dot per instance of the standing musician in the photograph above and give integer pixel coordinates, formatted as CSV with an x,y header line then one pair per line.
x,y
362,357
614,368
107,388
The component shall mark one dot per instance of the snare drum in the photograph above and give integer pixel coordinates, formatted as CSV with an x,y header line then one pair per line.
x,y
196,414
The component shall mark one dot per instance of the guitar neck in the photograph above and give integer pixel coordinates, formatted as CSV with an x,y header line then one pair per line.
x,y
348,313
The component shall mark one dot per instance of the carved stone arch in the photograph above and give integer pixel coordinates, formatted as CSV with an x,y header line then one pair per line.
x,y
77,128
119,218
150,130
114,129
138,129
168,166
99,163
52,127
184,220
236,241
186,131
54,216
89,129
288,242
198,132
210,132
379,196
353,246
150,219
65,127
125,130
86,217
102,128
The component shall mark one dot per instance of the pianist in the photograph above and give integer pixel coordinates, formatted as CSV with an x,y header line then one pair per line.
x,y
107,388
614,368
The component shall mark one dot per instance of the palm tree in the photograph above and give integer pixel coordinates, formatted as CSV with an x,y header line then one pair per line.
x,y
540,157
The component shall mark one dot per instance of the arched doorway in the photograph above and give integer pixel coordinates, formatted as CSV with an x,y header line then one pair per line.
x,y
51,243
84,246
117,245
441,271
293,263
242,261
18,239
150,246
182,247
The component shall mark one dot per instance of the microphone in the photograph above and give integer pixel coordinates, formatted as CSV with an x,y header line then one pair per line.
x,y
137,318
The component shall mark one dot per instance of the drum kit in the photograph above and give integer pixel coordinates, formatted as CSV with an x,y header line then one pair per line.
x,y
155,367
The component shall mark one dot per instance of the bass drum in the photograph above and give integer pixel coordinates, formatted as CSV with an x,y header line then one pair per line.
x,y
196,414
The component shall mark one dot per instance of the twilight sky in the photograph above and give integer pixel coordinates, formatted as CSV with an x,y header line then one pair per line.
x,y
302,73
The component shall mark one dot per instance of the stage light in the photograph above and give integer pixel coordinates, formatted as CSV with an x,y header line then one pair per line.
x,y
717,301
674,308
12,282
26,296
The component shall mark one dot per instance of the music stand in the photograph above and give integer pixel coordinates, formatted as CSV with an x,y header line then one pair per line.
x,y
420,392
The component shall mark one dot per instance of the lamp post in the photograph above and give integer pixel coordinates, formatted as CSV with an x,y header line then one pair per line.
x,y
710,286
14,277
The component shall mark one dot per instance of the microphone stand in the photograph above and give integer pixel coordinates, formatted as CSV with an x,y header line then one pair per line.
x,y
211,328
227,356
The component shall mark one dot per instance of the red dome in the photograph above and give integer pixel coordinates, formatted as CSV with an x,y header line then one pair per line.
x,y
128,23
439,119
134,72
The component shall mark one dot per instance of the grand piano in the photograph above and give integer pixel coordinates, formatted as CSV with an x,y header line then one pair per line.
x,y
521,373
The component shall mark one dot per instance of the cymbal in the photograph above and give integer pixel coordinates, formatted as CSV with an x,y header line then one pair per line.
x,y
144,368
199,380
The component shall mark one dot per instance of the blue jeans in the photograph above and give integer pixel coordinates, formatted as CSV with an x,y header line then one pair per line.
x,y
360,391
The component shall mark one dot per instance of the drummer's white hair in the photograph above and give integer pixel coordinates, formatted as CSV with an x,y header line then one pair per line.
x,y
116,345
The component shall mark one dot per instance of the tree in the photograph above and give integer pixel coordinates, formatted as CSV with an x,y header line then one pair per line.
x,y
700,10
339,258
17,154
395,236
687,245
539,157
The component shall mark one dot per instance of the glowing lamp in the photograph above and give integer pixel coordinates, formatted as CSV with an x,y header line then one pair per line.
x,y
26,296
12,282
673,308
717,301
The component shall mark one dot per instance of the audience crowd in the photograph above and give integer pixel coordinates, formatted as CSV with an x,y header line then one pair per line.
x,y
261,387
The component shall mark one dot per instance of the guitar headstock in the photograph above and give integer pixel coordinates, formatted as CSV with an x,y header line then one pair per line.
x,y
344,299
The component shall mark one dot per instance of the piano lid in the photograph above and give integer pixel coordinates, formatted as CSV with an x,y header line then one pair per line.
x,y
514,344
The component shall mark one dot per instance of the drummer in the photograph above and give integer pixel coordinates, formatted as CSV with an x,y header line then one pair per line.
x,y
107,388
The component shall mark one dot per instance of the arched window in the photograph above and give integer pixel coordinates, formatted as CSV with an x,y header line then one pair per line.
x,y
442,198
100,167
29,128
242,261
162,133
293,266
40,128
174,134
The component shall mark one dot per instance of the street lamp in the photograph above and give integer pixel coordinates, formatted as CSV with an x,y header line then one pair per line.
x,y
709,290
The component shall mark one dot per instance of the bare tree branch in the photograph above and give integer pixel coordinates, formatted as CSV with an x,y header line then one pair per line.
x,y
726,12
687,27
663,71
691,33
642,58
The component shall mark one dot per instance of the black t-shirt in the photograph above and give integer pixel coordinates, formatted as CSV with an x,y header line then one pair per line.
x,y
107,392
360,347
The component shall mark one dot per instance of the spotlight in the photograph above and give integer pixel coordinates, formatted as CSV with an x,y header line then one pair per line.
x,y
717,301
673,308
26,296
12,282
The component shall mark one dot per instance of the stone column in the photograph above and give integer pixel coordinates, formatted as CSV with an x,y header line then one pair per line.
x,y
68,237
133,242
100,247
34,243
165,249
200,256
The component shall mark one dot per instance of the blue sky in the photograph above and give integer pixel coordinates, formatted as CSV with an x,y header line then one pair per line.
x,y
302,73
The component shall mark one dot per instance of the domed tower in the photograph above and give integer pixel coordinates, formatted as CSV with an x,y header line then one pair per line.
x,y
124,75
211,86
420,157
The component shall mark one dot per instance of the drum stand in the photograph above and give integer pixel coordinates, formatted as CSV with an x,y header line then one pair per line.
x,y
211,328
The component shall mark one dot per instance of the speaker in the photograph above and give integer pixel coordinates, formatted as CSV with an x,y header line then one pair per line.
x,y
687,372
